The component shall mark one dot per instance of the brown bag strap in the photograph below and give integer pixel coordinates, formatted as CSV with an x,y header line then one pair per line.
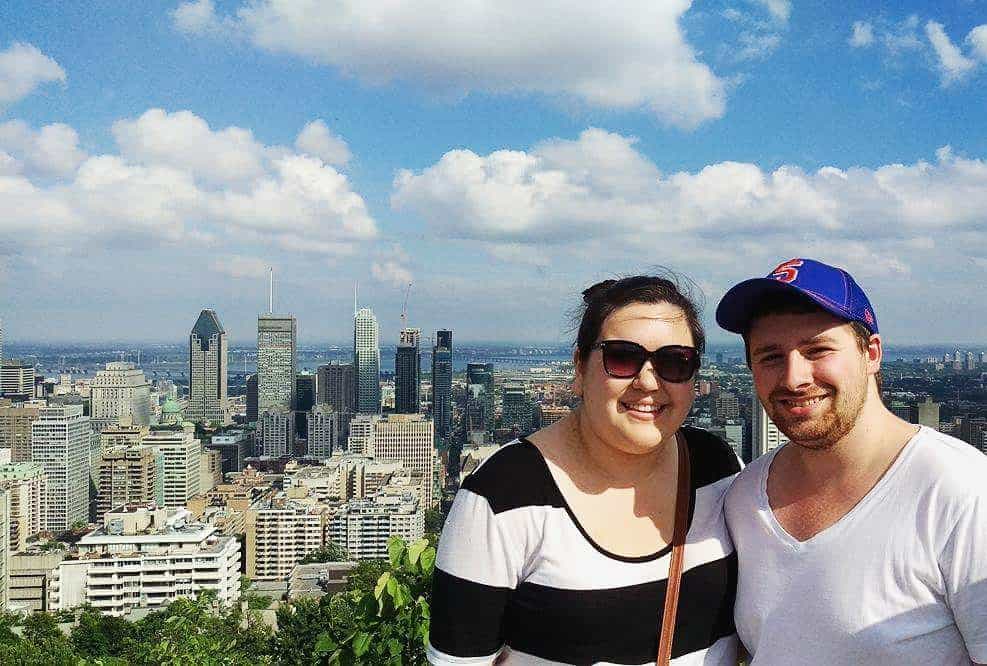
x,y
679,530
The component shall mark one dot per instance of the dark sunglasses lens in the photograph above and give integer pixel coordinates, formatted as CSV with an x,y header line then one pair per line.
x,y
676,364
623,360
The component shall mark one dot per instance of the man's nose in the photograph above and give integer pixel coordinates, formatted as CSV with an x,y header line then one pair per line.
x,y
798,371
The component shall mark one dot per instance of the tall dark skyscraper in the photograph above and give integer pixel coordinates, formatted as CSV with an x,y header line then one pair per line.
x,y
252,398
442,385
335,386
207,371
305,400
479,396
407,372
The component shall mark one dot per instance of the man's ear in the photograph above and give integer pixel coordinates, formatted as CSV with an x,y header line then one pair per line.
x,y
875,354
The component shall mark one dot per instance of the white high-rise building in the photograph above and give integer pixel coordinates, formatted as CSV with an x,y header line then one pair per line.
x,y
208,369
765,435
27,488
276,361
120,391
275,432
4,547
181,456
410,439
323,431
366,361
61,439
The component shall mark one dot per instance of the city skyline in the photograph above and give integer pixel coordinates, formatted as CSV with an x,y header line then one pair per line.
x,y
191,145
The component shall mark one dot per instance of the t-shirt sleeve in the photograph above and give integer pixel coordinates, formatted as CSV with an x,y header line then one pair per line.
x,y
478,565
964,567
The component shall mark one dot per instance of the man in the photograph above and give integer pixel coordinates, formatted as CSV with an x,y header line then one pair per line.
x,y
864,539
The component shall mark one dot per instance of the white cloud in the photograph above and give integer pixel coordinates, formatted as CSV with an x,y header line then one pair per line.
x,y
23,67
953,65
978,42
558,194
198,17
237,266
903,36
51,151
863,34
228,190
628,55
317,139
757,46
780,10
391,272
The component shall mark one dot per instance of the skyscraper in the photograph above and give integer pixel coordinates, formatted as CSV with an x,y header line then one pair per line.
x,y
323,431
765,435
407,372
118,391
181,455
366,361
208,368
252,398
479,397
60,442
275,432
304,401
335,387
410,439
442,384
276,361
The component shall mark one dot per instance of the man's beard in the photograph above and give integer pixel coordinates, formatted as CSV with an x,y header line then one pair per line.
x,y
823,430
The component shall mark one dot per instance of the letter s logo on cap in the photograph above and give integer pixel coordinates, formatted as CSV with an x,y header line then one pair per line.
x,y
788,271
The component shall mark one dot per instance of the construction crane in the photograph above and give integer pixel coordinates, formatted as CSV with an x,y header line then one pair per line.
x,y
404,308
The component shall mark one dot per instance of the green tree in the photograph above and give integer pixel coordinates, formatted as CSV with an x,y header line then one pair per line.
x,y
391,621
40,627
97,636
328,553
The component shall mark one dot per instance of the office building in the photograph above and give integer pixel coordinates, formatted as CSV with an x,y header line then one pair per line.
x,y
15,429
323,431
16,379
276,361
765,435
366,361
517,407
147,558
208,370
305,390
61,441
361,434
726,406
479,412
251,398
407,372
926,413
234,447
181,456
27,489
363,527
336,387
275,433
442,385
409,438
120,392
129,475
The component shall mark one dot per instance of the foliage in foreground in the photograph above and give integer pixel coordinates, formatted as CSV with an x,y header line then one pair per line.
x,y
381,618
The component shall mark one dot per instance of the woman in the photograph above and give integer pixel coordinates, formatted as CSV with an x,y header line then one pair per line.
x,y
557,547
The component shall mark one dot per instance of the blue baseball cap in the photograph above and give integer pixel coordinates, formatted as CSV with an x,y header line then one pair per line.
x,y
831,288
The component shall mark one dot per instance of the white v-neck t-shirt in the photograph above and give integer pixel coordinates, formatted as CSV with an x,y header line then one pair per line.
x,y
900,579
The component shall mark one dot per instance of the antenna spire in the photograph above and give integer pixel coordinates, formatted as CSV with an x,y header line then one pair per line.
x,y
270,309
356,286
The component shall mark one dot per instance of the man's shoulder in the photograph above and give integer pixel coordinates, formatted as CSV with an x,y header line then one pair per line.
x,y
746,485
954,468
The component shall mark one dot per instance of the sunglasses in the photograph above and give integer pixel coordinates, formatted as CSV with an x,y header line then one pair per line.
x,y
623,359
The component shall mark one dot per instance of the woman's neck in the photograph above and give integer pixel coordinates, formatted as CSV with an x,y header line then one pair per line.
x,y
619,468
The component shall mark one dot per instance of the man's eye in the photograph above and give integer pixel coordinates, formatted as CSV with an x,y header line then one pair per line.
x,y
769,358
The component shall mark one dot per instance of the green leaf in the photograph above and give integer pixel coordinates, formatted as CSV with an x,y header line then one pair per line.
x,y
395,550
427,561
324,644
394,647
415,550
382,583
361,644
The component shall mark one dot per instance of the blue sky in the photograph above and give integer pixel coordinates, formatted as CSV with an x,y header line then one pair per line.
x,y
156,157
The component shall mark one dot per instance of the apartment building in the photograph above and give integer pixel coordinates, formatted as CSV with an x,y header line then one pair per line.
x,y
26,487
281,534
129,475
363,527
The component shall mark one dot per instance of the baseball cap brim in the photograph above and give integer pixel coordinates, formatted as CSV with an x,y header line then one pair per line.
x,y
738,305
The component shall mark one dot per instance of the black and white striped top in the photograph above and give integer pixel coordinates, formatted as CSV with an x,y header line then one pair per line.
x,y
518,580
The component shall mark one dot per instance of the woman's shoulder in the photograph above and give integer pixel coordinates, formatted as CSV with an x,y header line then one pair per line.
x,y
712,459
514,476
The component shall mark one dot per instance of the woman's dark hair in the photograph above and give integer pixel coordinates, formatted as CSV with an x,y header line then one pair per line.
x,y
604,298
